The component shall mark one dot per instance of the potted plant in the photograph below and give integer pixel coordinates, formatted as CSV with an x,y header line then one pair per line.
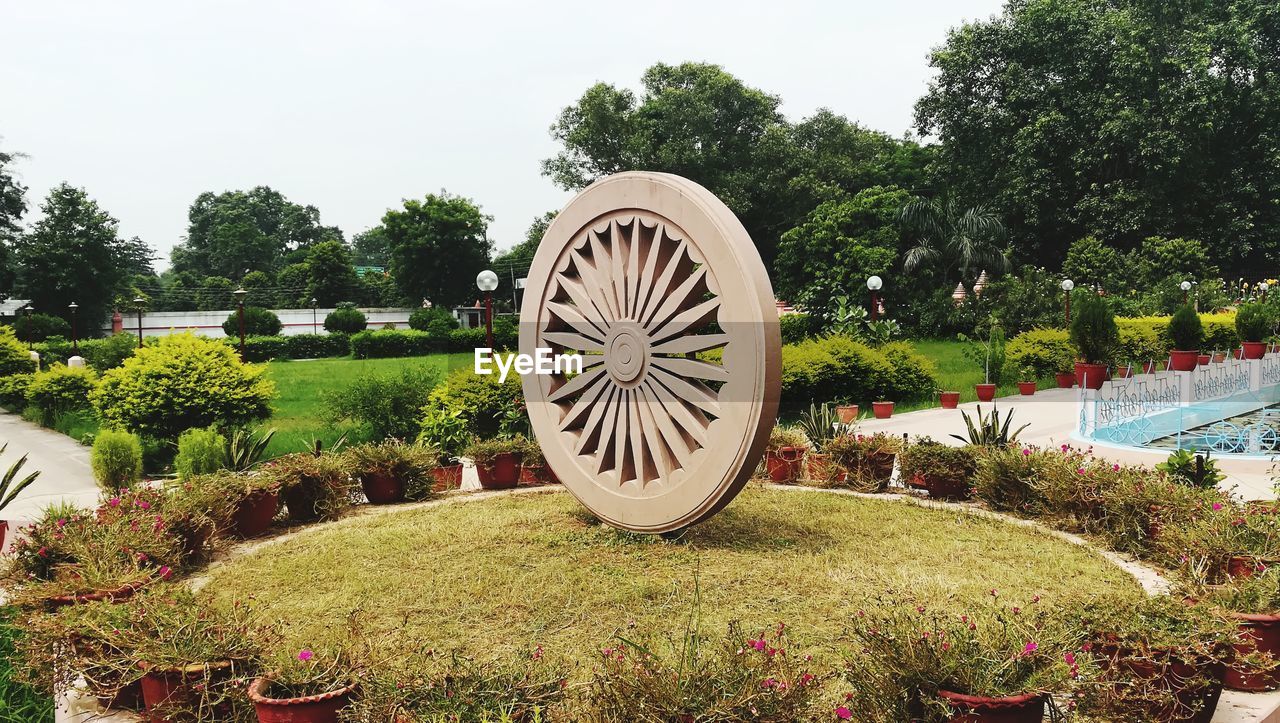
x,y
943,470
1187,333
998,666
256,502
1253,604
821,424
784,453
882,409
1150,367
392,471
848,413
1096,336
535,470
864,462
1065,379
1028,387
948,400
445,431
1253,324
1225,543
1124,371
498,461
314,487
304,687
989,354
9,489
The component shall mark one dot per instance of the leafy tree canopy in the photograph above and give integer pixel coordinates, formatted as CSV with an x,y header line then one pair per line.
x,y
438,245
330,275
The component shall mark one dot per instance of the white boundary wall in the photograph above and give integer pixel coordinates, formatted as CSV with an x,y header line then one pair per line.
x,y
209,323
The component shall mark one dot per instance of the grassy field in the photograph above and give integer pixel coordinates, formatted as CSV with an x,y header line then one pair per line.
x,y
956,373
299,408
505,574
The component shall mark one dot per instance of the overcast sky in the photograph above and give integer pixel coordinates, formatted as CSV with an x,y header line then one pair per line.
x,y
353,106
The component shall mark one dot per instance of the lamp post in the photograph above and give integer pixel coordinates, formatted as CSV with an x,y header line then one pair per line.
x,y
240,293
313,316
75,338
873,285
1262,286
139,303
1186,287
487,281
1067,286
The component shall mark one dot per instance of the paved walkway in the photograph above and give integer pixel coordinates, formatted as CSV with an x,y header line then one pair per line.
x,y
63,463
1053,418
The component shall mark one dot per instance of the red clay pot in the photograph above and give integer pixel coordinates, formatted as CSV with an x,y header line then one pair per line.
x,y
1173,675
818,466
1090,376
1242,566
1149,367
120,594
940,488
847,412
1065,380
1260,633
502,473
321,708
783,464
447,477
1124,372
1027,708
1253,349
1183,361
883,410
1204,359
127,698
254,513
949,400
164,689
986,392
1026,389
4,531
382,489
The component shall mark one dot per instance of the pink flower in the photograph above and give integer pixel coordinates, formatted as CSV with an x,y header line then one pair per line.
x,y
1115,468
1080,470
537,653
1217,506
1069,658
114,502
1065,447
1026,452
305,654
844,713
144,504
62,523
1030,648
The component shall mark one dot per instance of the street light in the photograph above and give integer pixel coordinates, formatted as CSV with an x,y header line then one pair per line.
x,y
313,315
487,281
1185,286
75,341
139,303
1262,286
240,293
1067,286
873,285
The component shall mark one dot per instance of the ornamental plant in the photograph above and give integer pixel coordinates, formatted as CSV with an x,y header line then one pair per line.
x,y
930,460
783,437
481,399
314,487
13,391
409,463
484,451
435,320
1093,329
60,389
1254,322
988,353
184,381
307,672
257,322
1192,469
821,424
387,406
345,319
1205,543
15,358
445,431
1044,351
867,459
116,459
200,451
905,653
1185,329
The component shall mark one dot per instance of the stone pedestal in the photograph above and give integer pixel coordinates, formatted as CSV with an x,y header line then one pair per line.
x,y
75,361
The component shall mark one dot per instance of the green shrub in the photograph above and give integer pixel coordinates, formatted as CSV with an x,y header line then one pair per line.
x,y
348,320
911,374
1139,343
261,348
313,486
60,389
795,328
386,405
200,451
1045,351
468,339
389,343
506,334
834,367
13,391
54,350
481,399
987,351
410,464
116,459
15,358
38,327
317,346
108,353
257,322
1253,322
1094,330
435,320
1186,330
184,381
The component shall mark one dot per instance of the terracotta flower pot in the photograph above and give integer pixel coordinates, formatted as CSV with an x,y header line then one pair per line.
x,y
500,473
986,392
1183,361
819,467
1257,633
381,488
253,514
4,533
1242,566
116,595
164,689
447,477
1166,671
1065,380
1026,389
128,697
847,412
783,464
942,488
301,501
321,708
883,410
1124,372
1149,367
530,474
1204,359
1253,349
949,400
1090,376
1027,708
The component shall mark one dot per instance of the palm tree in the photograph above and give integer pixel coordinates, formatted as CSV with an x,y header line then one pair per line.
x,y
953,237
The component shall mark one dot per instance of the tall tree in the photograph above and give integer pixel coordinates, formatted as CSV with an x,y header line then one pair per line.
x,y
1118,119
959,242
521,255
330,276
371,248
13,205
74,253
438,245
232,233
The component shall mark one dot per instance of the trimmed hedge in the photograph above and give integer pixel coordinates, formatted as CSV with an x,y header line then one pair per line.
x,y
1045,351
839,368
101,354
1219,331
389,343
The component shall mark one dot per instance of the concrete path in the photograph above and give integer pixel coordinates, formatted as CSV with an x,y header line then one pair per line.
x,y
63,464
1053,418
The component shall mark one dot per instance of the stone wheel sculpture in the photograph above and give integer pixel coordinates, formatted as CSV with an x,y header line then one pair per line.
x,y
656,283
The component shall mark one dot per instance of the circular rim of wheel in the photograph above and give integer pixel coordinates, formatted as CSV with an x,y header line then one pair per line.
x,y
648,437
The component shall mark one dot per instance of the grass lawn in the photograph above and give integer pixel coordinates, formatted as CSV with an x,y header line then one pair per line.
x,y
18,703
299,407
504,574
956,373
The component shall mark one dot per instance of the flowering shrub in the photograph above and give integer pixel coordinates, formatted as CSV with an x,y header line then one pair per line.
x,y
742,678
904,654
1206,541
932,461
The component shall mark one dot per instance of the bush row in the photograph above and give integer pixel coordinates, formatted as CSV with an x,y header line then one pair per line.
x,y
839,368
388,343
